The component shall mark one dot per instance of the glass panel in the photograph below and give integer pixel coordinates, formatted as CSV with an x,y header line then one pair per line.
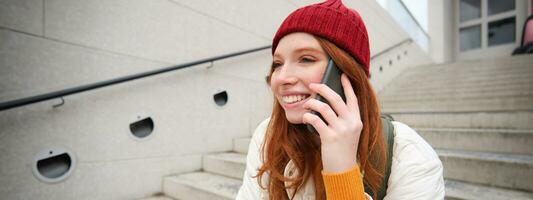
x,y
499,6
469,9
502,31
419,10
470,37
407,22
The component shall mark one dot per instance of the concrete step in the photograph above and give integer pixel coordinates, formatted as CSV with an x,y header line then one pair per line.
x,y
455,103
226,164
463,190
404,84
240,145
488,63
414,76
465,73
201,185
457,97
442,74
158,198
465,69
465,104
485,140
498,65
493,169
432,78
508,89
444,90
475,119
407,84
462,72
452,93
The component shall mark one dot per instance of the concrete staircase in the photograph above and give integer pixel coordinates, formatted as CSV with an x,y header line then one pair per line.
x,y
220,179
478,115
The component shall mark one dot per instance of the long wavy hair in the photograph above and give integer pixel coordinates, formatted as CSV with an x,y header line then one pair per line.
x,y
285,141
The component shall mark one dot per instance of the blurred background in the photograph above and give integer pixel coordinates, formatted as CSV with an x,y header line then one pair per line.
x,y
116,99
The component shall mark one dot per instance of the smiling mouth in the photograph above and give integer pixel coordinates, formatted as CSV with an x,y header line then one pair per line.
x,y
292,99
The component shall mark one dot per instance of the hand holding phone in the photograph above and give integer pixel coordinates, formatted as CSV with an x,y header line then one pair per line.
x,y
331,78
339,133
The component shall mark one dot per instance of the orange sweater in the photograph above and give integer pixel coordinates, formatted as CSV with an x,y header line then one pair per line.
x,y
344,185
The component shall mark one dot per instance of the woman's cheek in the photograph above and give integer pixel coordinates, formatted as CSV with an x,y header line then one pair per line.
x,y
316,77
318,72
273,85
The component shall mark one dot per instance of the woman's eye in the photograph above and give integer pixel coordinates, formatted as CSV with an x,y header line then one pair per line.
x,y
304,59
276,64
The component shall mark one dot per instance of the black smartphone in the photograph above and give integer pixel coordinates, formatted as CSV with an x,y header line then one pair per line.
x,y
332,78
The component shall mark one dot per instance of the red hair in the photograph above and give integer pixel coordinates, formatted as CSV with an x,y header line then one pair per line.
x,y
285,141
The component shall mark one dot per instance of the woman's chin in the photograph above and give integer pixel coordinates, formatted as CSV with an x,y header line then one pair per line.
x,y
294,119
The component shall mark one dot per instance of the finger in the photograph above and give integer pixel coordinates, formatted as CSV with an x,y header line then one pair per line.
x,y
332,97
351,98
316,122
323,108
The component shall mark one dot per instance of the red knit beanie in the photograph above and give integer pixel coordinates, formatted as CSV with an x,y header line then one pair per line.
x,y
333,21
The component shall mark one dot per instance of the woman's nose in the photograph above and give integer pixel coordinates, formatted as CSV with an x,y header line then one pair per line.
x,y
287,75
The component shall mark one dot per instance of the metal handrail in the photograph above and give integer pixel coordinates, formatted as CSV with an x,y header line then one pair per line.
x,y
61,93
74,90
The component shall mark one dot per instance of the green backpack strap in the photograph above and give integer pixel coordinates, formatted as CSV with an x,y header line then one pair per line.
x,y
388,137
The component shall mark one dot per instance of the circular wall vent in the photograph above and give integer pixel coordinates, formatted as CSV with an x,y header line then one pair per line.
x,y
221,98
53,165
142,127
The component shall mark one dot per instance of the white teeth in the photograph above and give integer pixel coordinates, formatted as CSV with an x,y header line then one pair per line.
x,y
293,98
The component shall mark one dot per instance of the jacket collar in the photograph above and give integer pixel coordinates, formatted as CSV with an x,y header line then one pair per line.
x,y
305,193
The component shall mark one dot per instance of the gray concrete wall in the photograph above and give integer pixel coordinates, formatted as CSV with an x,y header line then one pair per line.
x,y
441,31
50,45
385,67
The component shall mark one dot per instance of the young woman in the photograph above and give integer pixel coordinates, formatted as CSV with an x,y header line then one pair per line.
x,y
287,161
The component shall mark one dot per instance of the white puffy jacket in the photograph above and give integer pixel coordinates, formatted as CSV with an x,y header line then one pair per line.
x,y
416,171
